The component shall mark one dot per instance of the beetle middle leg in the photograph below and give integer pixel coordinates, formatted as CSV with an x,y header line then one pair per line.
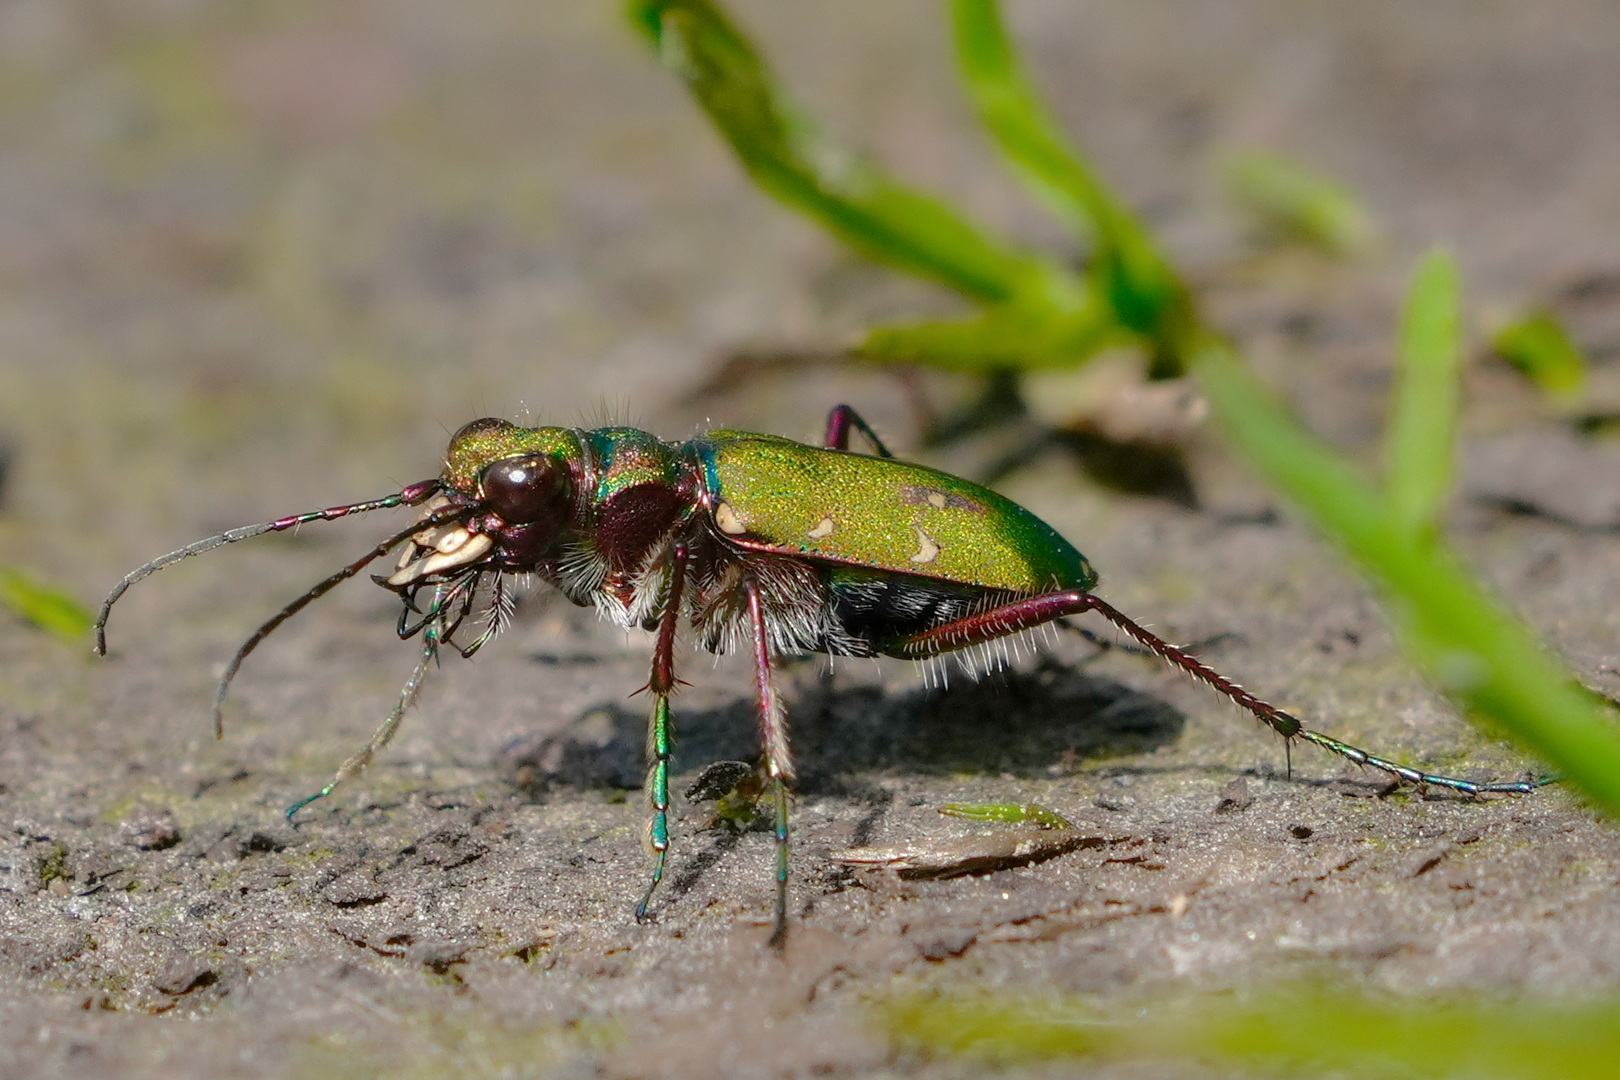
x,y
1018,615
662,683
774,741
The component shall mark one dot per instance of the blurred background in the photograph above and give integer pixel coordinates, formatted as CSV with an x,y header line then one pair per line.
x,y
265,256
311,239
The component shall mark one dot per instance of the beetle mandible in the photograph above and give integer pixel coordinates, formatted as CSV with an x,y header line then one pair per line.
x,y
750,540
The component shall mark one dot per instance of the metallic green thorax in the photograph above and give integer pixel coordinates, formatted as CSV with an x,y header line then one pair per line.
x,y
778,495
626,458
477,445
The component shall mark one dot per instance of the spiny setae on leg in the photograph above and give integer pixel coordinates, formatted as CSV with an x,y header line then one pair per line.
x,y
746,539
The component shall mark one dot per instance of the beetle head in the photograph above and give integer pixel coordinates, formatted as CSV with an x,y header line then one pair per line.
x,y
517,485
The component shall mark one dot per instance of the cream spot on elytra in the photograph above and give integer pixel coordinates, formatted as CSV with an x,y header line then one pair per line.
x,y
824,527
927,551
726,518
917,495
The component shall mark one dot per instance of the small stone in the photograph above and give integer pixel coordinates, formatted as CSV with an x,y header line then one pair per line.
x,y
438,956
354,890
1235,797
265,840
150,828
946,944
183,974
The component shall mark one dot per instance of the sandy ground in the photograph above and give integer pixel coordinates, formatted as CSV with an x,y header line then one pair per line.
x,y
264,260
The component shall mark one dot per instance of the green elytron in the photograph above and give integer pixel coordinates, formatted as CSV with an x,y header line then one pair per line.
x,y
749,541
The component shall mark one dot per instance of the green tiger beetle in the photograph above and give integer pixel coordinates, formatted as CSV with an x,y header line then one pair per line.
x,y
752,541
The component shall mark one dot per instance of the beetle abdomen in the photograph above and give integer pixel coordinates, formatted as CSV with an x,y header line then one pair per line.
x,y
875,609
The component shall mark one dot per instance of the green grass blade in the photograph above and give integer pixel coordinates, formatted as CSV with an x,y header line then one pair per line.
x,y
48,608
1144,292
1287,201
1540,348
1005,337
1476,651
1010,110
1422,429
855,201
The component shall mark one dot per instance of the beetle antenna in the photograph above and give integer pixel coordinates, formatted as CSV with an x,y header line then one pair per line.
x,y
409,496
441,517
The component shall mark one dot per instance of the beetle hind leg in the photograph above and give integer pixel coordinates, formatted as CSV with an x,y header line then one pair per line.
x,y
1110,644
1010,618
844,419
778,755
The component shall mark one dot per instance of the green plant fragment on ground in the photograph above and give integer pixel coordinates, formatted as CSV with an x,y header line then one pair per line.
x,y
1539,347
1012,813
1297,1030
1004,337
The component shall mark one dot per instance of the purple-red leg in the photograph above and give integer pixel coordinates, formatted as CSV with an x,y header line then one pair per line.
x,y
841,421
774,741
1020,615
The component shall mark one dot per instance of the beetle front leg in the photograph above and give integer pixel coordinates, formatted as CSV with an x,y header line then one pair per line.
x,y
431,638
778,757
841,421
662,683
1019,615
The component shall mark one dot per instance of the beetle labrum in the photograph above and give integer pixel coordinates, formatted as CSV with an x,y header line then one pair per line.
x,y
750,540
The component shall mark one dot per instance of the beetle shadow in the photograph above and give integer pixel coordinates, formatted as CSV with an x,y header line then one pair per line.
x,y
1147,468
1019,722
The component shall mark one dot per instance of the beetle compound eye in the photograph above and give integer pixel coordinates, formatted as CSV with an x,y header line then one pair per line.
x,y
522,489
